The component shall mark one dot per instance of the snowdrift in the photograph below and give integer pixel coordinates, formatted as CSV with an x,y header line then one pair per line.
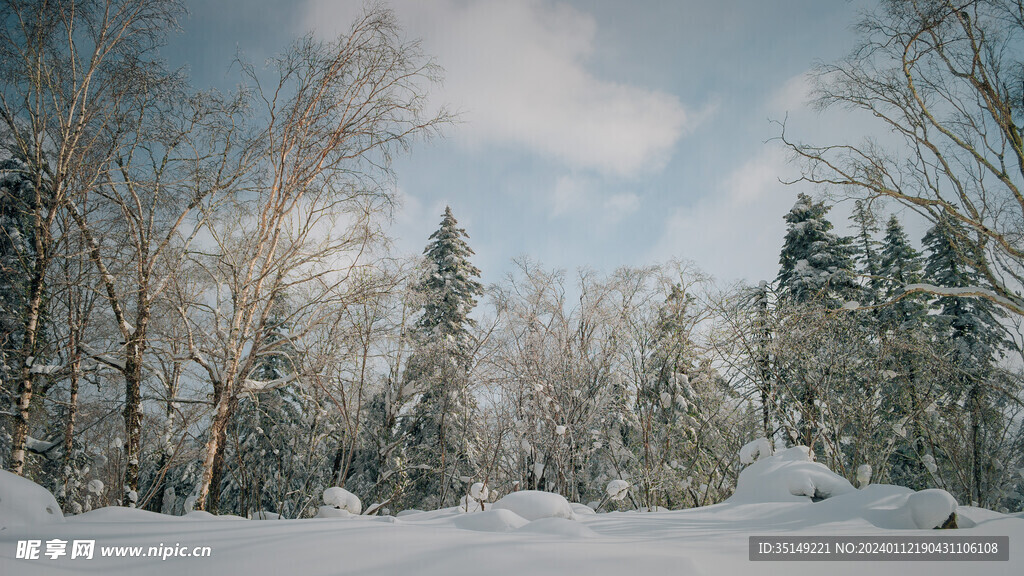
x,y
791,476
524,532
23,502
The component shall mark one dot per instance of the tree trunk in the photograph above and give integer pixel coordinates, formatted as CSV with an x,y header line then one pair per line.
x,y
28,352
132,418
213,461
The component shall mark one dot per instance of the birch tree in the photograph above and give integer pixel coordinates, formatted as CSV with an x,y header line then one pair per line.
x,y
334,115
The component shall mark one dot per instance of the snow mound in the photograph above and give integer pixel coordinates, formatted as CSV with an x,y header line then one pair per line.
x,y
581,509
534,504
467,504
617,489
558,527
23,502
755,450
499,520
120,514
408,512
479,491
930,508
788,476
332,512
343,500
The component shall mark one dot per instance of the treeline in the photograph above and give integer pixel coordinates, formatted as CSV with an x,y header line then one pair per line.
x,y
200,311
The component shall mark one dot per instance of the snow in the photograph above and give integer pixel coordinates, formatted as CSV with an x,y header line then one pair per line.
x,y
479,491
617,489
579,509
95,486
558,527
534,504
41,446
266,515
343,500
469,504
863,475
332,512
930,508
788,476
752,451
504,541
23,502
498,520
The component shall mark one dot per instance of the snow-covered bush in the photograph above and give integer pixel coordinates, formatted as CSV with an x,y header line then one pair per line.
x,y
331,512
930,508
534,504
788,476
469,504
863,475
343,500
617,489
755,450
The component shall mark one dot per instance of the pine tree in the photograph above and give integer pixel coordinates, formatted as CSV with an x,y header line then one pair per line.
x,y
816,269
904,345
900,265
970,326
815,263
865,251
437,430
450,288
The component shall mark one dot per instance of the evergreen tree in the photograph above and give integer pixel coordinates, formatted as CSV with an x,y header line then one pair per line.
x,y
815,263
900,265
971,328
816,269
905,345
450,289
865,251
438,429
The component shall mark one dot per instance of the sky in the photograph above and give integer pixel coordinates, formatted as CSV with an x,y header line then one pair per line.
x,y
591,133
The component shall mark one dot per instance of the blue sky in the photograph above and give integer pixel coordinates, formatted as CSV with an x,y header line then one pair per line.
x,y
596,134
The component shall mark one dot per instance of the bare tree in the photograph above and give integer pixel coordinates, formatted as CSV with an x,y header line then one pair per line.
x,y
335,114
944,78
179,156
65,66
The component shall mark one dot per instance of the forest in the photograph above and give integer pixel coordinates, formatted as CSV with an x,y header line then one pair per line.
x,y
200,307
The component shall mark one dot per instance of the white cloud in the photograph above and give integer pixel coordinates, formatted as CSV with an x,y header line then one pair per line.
x,y
620,205
793,95
518,71
569,195
737,232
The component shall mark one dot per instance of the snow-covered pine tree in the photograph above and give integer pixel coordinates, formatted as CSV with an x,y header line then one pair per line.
x,y
816,270
815,263
905,344
971,328
437,430
900,265
866,250
451,289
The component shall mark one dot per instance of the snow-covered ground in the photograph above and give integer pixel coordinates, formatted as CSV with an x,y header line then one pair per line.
x,y
523,534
